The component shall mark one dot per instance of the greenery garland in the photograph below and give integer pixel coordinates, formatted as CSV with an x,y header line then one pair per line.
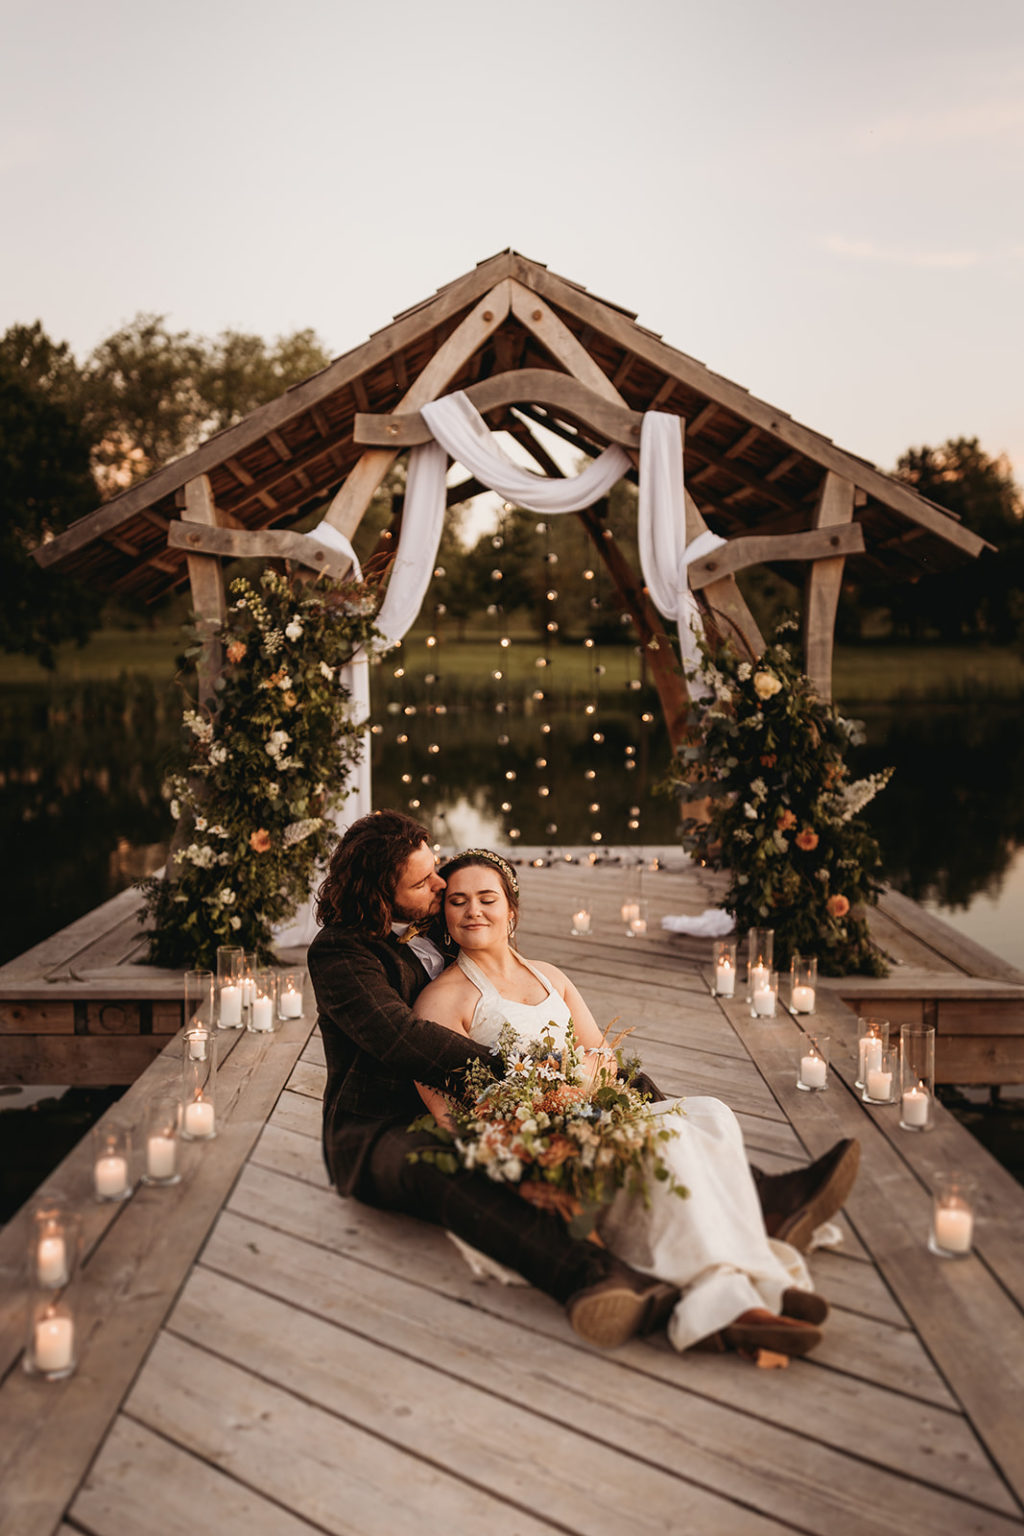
x,y
783,812
264,769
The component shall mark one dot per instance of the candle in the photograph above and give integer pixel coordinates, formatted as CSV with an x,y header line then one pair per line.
x,y
160,1157
291,1003
230,1005
111,1177
51,1261
759,976
725,979
199,1119
812,1071
870,1048
248,991
879,1084
638,925
263,1013
197,1049
630,910
954,1228
581,921
803,999
54,1344
915,1106
764,1000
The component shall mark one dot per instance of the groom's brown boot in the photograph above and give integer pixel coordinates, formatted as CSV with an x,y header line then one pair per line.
x,y
622,1305
795,1203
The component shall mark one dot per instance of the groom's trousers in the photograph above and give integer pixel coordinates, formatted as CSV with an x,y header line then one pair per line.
x,y
487,1215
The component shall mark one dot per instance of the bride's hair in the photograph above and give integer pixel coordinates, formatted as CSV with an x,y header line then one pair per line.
x,y
483,858
365,869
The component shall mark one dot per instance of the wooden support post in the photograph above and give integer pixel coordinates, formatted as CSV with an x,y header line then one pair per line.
x,y
206,578
723,598
823,585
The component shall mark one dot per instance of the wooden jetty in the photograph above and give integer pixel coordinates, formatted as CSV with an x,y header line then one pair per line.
x,y
258,1356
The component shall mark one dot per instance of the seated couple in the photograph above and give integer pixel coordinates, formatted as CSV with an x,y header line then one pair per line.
x,y
720,1269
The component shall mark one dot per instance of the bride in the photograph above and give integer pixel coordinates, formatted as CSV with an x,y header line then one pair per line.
x,y
738,1288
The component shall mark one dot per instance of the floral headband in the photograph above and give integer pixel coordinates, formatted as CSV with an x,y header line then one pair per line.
x,y
484,856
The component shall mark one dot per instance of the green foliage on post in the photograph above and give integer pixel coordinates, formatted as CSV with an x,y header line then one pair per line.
x,y
784,811
264,770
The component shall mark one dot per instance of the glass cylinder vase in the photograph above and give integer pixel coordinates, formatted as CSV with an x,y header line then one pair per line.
x,y
803,983
760,952
199,1004
230,968
111,1162
54,1234
882,1082
51,1345
160,1140
873,1039
289,994
917,1077
199,1086
724,958
261,1018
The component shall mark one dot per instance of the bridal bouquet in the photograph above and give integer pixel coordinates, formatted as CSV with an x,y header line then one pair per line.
x,y
566,1143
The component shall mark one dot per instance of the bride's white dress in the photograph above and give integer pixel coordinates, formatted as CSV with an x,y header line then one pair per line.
x,y
713,1245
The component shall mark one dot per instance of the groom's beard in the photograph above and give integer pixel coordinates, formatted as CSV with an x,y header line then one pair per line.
x,y
405,915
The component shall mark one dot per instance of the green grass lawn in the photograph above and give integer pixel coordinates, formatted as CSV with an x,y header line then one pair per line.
x,y
869,674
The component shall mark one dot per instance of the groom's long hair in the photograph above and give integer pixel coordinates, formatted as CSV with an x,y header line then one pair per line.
x,y
364,871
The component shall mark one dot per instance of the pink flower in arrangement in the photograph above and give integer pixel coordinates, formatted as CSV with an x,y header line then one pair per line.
x,y
260,841
236,650
806,840
837,906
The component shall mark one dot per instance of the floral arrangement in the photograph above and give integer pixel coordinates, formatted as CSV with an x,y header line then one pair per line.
x,y
265,768
784,812
565,1143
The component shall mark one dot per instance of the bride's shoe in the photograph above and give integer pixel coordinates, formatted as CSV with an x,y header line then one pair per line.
x,y
760,1329
808,1306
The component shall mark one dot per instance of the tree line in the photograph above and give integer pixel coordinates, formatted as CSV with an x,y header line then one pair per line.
x,y
74,434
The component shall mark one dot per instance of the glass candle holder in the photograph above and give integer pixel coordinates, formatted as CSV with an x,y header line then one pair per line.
x,y
160,1140
760,951
724,984
199,1008
262,1014
882,1082
52,1247
111,1163
51,1347
952,1233
917,1077
630,911
764,994
812,1067
582,922
230,966
636,928
803,983
873,1039
199,1086
289,994
250,965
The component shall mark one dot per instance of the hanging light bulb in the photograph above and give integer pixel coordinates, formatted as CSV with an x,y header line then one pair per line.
x,y
588,642
543,791
410,709
590,774
541,528
593,807
513,833
427,778
510,774
440,572
430,677
545,729
591,709
633,825
506,806
538,694
402,740
504,642
497,676
406,778
502,741
588,575
433,748
492,609
541,661
541,762
440,709
496,575
431,640
376,730
398,672
647,717
630,751
551,628
551,557
414,805
629,764
551,595
441,609
551,828
595,837
497,541
598,736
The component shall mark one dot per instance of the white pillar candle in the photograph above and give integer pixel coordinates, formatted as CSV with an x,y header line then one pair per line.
x,y
581,921
630,910
764,1001
263,1013
111,1177
638,925
954,1228
879,1084
760,976
160,1157
51,1261
725,979
291,1003
230,1005
915,1105
248,991
803,999
870,1048
199,1118
812,1071
197,1050
54,1344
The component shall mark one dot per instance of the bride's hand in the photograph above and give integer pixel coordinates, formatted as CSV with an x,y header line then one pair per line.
x,y
598,1065
547,1198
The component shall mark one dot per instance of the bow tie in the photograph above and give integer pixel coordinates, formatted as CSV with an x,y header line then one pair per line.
x,y
414,930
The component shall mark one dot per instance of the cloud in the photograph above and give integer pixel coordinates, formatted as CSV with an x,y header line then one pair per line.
x,y
899,256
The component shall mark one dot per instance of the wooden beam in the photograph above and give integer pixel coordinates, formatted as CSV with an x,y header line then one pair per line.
x,y
825,582
722,597
206,578
279,445
534,386
564,347
270,543
772,548
346,510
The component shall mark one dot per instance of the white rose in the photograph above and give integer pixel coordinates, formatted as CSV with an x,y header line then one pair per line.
x,y
293,630
766,684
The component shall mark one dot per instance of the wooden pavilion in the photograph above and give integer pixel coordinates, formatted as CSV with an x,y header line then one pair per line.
x,y
530,349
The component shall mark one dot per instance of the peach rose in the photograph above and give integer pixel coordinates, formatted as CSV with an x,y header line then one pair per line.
x,y
260,841
766,684
785,820
837,906
806,840
236,650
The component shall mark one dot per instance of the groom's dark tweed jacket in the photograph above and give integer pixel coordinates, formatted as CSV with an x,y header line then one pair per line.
x,y
376,1048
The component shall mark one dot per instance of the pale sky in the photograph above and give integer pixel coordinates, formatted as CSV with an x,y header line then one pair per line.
x,y
823,202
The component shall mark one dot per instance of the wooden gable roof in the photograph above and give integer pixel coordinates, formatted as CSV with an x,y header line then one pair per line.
x,y
749,466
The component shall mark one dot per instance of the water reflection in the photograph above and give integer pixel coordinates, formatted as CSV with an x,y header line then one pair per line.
x,y
81,814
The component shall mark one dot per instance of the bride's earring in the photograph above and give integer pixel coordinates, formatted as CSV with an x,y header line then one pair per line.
x,y
448,941
511,930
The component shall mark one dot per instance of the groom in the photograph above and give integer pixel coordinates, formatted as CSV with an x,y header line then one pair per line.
x,y
367,964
